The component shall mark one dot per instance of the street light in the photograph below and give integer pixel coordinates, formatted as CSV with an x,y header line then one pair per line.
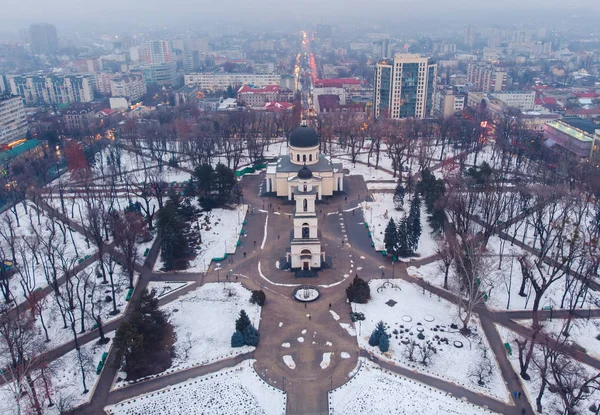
x,y
283,379
393,268
330,383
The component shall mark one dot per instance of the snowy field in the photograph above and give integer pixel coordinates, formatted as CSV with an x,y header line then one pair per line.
x,y
551,402
52,317
379,212
204,321
407,312
55,237
377,391
582,332
220,231
65,382
234,391
502,280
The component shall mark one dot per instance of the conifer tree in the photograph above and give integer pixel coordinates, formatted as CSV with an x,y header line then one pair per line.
x,y
242,322
404,248
391,238
399,196
414,223
384,343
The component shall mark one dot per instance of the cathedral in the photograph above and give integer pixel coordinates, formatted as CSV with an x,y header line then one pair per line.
x,y
281,177
304,176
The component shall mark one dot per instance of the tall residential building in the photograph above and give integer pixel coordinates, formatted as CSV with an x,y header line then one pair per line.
x,y
132,87
485,77
13,121
53,89
43,38
155,51
404,87
161,73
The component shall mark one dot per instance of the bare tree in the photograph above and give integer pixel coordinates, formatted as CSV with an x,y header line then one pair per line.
x,y
446,254
483,369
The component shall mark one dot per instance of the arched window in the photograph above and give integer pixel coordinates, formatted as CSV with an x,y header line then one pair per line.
x,y
304,158
305,188
310,157
305,205
297,157
305,230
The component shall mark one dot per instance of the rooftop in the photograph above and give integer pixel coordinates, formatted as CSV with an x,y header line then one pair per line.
x,y
8,155
571,131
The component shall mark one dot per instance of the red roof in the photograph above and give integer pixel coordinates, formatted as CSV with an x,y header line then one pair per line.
x,y
247,89
586,95
549,101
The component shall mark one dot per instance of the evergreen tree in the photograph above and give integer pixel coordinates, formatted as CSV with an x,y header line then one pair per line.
x,y
224,181
204,178
242,322
404,247
399,196
251,336
358,291
174,244
377,333
391,238
237,340
384,343
258,297
414,223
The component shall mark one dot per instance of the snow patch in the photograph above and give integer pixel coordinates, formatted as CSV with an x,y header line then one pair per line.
x,y
326,360
335,315
289,361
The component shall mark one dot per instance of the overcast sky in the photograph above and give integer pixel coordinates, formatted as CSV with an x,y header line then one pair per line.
x,y
131,14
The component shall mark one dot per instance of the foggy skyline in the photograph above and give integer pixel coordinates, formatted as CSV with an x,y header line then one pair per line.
x,y
137,15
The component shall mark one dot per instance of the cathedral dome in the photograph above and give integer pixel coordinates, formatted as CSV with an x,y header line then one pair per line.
x,y
304,137
305,173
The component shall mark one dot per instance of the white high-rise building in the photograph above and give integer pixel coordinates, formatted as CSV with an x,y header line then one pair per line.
x,y
155,51
404,87
485,77
13,120
53,89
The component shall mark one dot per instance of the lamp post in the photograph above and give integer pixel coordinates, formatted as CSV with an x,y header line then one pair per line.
x,y
330,383
218,275
283,381
393,268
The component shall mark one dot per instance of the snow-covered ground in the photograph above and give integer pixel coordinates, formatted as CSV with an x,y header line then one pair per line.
x,y
165,287
204,321
377,391
71,244
551,402
220,231
65,382
407,311
379,212
582,332
502,279
234,391
52,317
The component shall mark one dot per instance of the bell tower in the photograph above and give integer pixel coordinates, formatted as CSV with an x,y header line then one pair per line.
x,y
305,252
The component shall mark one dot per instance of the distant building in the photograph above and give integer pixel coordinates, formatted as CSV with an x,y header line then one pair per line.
x,y
53,89
228,104
155,51
160,73
485,77
523,100
404,87
88,65
338,92
43,38
578,137
288,82
257,97
185,95
191,61
132,87
13,120
220,81
80,117
448,102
